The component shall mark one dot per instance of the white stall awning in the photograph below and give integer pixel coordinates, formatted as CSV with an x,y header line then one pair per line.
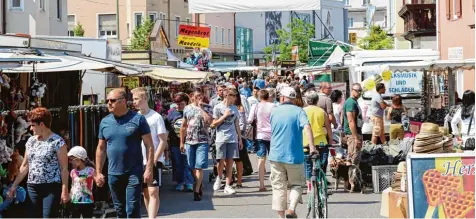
x,y
178,75
432,65
229,6
66,63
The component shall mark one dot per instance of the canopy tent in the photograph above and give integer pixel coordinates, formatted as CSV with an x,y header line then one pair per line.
x,y
432,65
320,51
65,63
178,75
227,6
334,58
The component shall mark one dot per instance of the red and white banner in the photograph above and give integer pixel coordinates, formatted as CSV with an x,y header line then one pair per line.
x,y
227,6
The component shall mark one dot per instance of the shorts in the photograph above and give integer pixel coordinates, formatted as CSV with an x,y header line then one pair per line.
x,y
227,150
378,126
396,131
197,155
242,153
156,176
263,148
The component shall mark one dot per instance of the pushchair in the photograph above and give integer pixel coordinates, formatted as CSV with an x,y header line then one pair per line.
x,y
213,151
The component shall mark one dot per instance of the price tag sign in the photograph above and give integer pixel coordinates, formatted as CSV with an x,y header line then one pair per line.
x,y
131,82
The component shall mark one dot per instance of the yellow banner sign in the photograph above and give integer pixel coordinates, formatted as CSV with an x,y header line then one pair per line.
x,y
130,82
191,41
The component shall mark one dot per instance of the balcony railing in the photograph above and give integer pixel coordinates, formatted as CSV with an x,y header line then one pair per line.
x,y
419,19
418,2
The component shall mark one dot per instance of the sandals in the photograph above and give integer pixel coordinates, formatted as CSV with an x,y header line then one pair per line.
x,y
263,189
239,186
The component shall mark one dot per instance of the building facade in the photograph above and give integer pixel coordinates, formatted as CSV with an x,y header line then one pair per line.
x,y
98,18
358,18
456,37
222,34
40,17
265,24
419,18
244,44
399,29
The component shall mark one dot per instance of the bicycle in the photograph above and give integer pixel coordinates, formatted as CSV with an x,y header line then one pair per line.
x,y
317,198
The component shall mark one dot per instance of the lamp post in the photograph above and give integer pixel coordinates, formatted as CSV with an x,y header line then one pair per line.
x,y
117,20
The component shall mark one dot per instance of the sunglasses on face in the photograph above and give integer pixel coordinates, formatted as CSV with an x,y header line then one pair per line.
x,y
113,100
358,90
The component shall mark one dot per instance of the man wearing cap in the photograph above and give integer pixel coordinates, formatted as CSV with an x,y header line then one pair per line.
x,y
286,156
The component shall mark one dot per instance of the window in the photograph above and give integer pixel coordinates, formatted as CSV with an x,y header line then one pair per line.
x,y
456,9
71,24
177,24
42,5
59,9
346,2
365,2
229,36
137,19
351,22
16,4
188,20
107,25
216,35
153,16
222,35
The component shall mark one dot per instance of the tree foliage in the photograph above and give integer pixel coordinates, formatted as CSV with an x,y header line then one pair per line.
x,y
296,33
140,38
376,40
78,30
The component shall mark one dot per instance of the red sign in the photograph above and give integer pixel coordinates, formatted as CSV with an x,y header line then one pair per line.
x,y
187,30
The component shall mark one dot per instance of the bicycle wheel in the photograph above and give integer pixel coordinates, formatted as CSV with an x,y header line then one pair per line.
x,y
322,197
311,204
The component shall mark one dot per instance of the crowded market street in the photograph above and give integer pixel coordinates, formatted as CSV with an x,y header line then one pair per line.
x,y
248,203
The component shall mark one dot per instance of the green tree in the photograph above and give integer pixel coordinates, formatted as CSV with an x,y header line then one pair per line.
x,y
376,40
140,38
296,33
78,30
268,53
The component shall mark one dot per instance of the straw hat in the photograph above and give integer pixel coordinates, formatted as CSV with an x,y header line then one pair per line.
x,y
429,128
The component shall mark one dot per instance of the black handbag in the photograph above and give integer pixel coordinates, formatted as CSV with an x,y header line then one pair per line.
x,y
470,142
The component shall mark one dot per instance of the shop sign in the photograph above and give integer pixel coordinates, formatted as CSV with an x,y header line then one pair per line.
x,y
288,64
55,45
195,42
455,53
130,82
319,48
114,50
352,38
192,36
441,185
14,41
215,56
405,82
188,30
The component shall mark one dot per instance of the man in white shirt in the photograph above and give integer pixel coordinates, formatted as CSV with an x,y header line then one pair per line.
x,y
159,138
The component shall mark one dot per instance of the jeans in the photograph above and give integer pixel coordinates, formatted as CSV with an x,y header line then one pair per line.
x,y
263,148
45,200
197,155
85,210
252,145
126,192
323,159
181,169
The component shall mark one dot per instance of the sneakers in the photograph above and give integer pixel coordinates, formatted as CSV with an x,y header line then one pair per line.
x,y
189,188
229,190
217,184
179,188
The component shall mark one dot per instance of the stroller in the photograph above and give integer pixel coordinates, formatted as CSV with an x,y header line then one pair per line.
x,y
213,151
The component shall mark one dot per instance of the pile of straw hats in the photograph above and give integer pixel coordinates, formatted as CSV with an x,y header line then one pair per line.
x,y
429,140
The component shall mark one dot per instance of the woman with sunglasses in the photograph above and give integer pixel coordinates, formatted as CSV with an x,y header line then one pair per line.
x,y
46,164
